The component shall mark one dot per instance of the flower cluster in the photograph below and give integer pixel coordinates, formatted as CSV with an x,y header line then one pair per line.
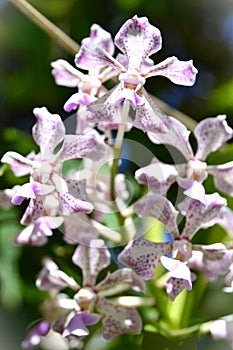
x,y
79,203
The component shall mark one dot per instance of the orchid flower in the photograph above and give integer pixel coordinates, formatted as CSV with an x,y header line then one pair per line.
x,y
211,134
92,258
50,192
143,255
138,40
89,85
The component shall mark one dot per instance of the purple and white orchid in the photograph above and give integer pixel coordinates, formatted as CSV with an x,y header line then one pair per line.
x,y
51,194
138,40
211,134
92,258
144,256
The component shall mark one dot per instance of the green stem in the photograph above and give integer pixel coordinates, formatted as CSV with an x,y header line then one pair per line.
x,y
117,149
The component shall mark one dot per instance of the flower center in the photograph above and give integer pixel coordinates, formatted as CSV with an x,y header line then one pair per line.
x,y
197,170
182,249
90,85
86,298
132,79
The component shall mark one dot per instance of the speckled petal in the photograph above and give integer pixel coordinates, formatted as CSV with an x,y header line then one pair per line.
x,y
174,286
78,227
148,116
99,38
75,100
179,276
70,205
158,176
177,135
91,258
104,109
48,132
138,39
213,260
77,324
118,319
202,215
77,188
19,165
143,256
120,281
51,278
95,58
160,208
179,72
65,74
223,177
34,210
211,134
82,146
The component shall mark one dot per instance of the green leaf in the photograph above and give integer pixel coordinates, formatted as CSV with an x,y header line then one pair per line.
x,y
10,280
155,340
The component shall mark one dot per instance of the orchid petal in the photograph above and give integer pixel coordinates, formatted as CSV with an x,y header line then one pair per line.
x,y
30,190
51,277
202,215
104,109
195,189
120,281
179,276
33,338
211,134
26,237
158,176
223,177
179,72
213,260
226,220
138,39
48,131
177,135
118,319
160,208
221,329
70,205
91,258
77,188
80,98
143,256
65,74
19,165
129,94
95,58
77,228
77,324
174,286
34,210
99,38
148,116
81,146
